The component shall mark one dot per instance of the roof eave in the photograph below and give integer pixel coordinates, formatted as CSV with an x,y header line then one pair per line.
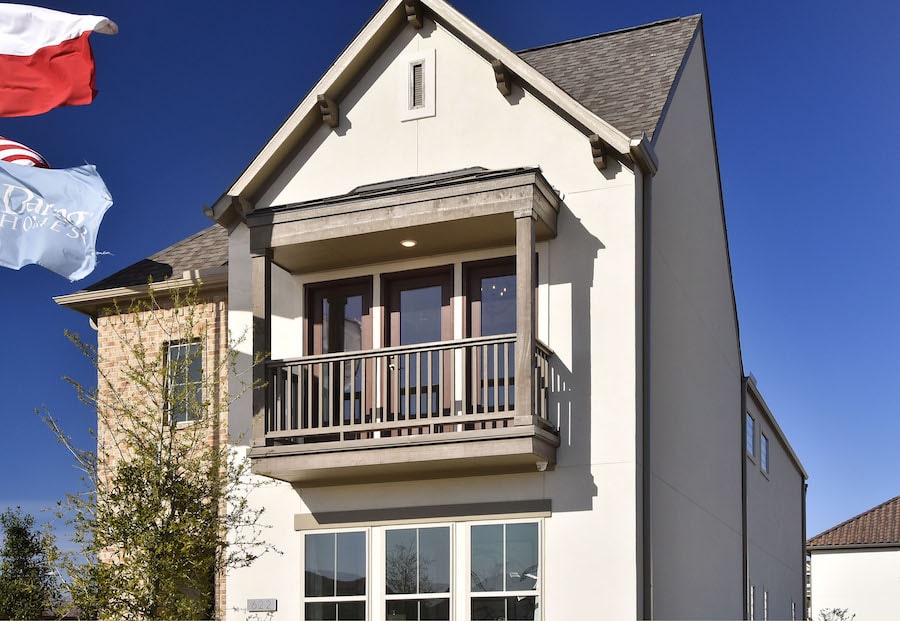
x,y
90,302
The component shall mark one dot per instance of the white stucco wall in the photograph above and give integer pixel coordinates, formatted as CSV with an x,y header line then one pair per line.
x,y
588,276
864,581
695,370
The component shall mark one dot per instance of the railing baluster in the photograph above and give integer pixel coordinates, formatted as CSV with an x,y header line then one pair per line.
x,y
366,395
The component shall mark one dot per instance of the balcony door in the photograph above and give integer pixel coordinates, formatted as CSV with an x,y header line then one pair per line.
x,y
340,322
418,305
491,311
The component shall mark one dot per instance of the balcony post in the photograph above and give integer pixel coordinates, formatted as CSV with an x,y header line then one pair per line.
x,y
261,295
525,336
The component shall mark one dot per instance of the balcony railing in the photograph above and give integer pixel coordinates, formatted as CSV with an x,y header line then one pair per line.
x,y
451,386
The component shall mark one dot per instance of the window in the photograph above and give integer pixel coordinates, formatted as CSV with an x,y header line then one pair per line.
x,y
335,576
751,435
423,571
763,452
765,605
417,573
505,571
184,373
751,615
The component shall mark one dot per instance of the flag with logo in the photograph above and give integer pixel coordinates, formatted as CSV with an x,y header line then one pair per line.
x,y
46,59
50,217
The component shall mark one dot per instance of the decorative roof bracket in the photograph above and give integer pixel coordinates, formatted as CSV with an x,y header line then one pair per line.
x,y
414,13
598,151
329,110
503,77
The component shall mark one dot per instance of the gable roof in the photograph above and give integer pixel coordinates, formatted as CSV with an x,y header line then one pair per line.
x,y
625,77
877,527
569,80
621,80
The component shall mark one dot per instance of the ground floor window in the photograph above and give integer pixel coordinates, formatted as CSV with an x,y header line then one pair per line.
x,y
468,571
504,576
335,571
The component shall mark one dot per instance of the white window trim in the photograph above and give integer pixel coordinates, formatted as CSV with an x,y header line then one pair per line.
x,y
765,457
427,59
460,567
171,383
751,453
367,598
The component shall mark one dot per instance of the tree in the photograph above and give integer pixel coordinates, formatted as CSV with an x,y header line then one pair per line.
x,y
28,586
165,511
836,614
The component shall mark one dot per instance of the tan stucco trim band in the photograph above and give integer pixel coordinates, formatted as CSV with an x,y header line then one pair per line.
x,y
515,509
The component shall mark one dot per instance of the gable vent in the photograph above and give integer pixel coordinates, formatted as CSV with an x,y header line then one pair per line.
x,y
416,95
417,85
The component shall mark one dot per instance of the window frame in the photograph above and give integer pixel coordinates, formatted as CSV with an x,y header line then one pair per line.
x,y
765,464
448,595
173,388
337,599
535,592
459,594
750,435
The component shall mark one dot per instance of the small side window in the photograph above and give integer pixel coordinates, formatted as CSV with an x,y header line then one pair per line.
x,y
763,452
184,375
751,435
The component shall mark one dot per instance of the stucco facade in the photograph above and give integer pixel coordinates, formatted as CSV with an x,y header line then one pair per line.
x,y
601,451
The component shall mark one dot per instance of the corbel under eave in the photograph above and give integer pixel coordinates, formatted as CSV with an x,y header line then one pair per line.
x,y
598,151
502,76
329,110
414,13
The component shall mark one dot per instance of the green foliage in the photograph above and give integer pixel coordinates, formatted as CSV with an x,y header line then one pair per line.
x,y
165,508
836,614
28,585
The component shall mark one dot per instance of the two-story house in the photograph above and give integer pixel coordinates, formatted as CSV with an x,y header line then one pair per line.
x,y
503,375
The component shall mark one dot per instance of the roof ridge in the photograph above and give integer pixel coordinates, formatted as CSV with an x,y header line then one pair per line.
x,y
598,35
855,517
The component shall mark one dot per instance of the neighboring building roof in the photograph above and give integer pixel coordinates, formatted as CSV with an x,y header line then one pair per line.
x,y
877,527
206,249
624,77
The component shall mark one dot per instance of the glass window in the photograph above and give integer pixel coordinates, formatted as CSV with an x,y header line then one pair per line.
x,y
751,435
184,374
417,573
335,576
505,581
763,452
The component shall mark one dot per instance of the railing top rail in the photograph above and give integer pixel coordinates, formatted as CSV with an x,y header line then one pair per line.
x,y
389,351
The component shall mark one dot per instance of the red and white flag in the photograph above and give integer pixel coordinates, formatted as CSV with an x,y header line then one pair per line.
x,y
46,59
17,153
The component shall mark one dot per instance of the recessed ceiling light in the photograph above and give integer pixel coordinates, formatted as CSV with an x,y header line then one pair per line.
x,y
408,243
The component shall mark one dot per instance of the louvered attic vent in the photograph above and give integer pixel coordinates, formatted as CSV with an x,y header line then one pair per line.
x,y
417,85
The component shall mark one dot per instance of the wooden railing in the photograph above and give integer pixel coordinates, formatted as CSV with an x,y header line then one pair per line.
x,y
451,386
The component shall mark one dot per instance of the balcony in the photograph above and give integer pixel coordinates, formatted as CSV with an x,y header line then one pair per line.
x,y
437,409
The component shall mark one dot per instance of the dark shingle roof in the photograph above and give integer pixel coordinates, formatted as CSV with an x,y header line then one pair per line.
x,y
624,77
208,248
879,526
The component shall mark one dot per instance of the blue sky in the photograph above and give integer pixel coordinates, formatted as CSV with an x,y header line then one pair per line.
x,y
805,97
